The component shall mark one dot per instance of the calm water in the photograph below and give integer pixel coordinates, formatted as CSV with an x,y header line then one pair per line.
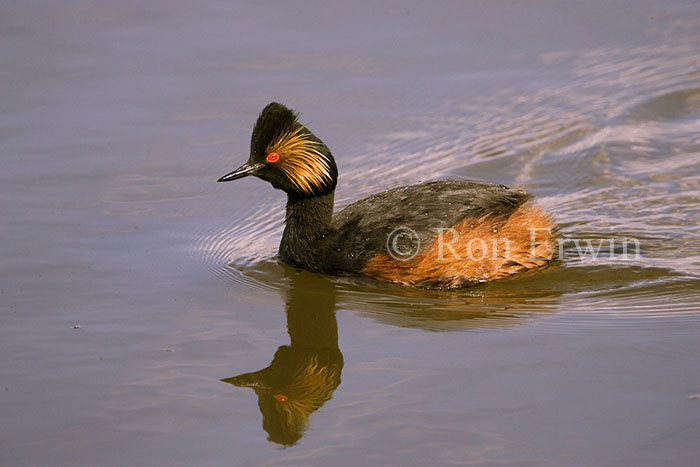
x,y
145,319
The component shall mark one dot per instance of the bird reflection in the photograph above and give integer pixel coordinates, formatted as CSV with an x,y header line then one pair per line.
x,y
303,375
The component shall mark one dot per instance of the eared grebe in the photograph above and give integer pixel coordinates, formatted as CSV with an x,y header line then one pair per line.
x,y
440,234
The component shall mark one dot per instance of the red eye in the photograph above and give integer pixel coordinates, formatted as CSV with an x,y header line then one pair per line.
x,y
273,157
280,397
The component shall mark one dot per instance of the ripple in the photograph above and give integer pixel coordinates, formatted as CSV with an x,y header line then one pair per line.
x,y
659,297
677,105
245,253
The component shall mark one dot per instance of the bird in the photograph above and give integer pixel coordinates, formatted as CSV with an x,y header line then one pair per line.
x,y
439,234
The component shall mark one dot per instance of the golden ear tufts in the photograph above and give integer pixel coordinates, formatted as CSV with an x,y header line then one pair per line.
x,y
310,388
301,160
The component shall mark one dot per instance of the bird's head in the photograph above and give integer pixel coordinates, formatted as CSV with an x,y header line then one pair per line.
x,y
288,155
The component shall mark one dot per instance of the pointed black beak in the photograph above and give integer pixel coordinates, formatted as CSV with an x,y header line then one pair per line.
x,y
255,380
243,171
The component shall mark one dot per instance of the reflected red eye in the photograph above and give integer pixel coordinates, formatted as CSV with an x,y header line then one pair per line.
x,y
273,157
280,397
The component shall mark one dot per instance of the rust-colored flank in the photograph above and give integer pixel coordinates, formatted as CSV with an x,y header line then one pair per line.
x,y
475,250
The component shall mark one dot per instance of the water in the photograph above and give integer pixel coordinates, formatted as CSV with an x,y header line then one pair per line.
x,y
132,284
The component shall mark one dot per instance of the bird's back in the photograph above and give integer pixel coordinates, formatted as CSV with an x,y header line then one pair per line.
x,y
408,218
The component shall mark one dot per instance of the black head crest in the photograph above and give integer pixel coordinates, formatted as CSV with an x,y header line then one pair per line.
x,y
301,163
274,119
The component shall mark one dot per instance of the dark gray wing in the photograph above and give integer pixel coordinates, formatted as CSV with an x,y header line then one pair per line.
x,y
362,228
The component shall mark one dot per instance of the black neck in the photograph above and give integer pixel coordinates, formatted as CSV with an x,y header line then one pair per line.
x,y
308,220
311,312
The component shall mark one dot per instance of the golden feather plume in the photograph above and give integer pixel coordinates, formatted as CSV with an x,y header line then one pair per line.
x,y
311,387
301,160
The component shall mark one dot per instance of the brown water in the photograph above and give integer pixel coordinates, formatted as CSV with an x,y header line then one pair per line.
x,y
133,284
